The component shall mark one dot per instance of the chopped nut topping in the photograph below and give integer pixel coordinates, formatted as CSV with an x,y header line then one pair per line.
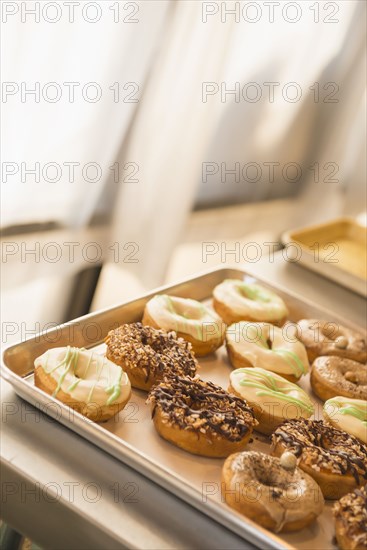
x,y
155,351
351,511
195,405
322,447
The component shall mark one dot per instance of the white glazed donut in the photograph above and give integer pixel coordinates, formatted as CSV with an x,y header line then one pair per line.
x,y
271,491
268,347
235,300
86,381
273,398
349,415
190,319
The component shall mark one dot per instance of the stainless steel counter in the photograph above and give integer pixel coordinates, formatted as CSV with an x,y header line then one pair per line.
x,y
63,492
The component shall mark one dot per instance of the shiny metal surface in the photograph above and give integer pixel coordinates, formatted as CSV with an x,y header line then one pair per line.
x,y
20,359
335,249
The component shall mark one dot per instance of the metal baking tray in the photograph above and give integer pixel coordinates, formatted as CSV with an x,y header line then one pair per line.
x,y
336,249
131,437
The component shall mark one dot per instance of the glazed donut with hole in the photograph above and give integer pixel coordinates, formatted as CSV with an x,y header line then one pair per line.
x,y
332,376
327,338
267,346
190,319
234,300
272,397
271,491
349,415
85,381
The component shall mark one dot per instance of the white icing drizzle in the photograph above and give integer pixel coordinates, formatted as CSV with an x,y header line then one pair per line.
x,y
348,414
186,316
85,376
284,355
251,300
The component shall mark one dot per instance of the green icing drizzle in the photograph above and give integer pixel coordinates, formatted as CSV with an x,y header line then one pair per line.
x,y
114,390
70,361
293,360
262,378
186,322
255,293
74,384
351,410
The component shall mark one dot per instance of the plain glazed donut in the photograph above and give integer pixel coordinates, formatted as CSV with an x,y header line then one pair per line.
x,y
349,415
268,347
85,381
200,417
336,460
332,376
263,489
147,354
327,338
273,398
235,300
350,515
190,320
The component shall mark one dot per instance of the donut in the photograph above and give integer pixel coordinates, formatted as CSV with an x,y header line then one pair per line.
x,y
271,491
148,354
350,516
273,398
327,338
349,415
200,417
266,346
235,300
85,381
336,460
333,376
190,319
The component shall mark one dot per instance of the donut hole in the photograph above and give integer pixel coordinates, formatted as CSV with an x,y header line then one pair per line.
x,y
186,311
268,477
351,377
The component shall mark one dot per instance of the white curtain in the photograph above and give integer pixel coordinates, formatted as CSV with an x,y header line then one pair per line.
x,y
78,113
164,138
176,131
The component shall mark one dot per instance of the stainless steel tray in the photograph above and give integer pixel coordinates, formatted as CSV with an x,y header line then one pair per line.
x,y
335,249
131,437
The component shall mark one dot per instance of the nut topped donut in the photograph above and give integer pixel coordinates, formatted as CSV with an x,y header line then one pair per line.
x,y
335,459
147,354
271,491
234,300
190,319
266,346
200,417
350,515
328,338
332,376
